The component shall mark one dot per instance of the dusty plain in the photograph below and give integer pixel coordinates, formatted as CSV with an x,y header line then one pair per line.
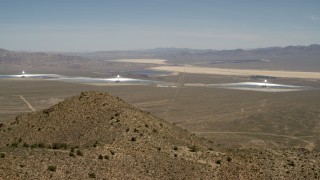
x,y
239,72
232,118
142,61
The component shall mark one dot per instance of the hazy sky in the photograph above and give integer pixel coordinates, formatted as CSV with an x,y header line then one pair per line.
x,y
90,25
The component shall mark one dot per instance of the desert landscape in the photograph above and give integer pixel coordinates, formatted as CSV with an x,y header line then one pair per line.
x,y
159,89
231,123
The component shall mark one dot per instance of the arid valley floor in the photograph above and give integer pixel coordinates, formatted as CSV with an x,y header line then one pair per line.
x,y
193,121
233,118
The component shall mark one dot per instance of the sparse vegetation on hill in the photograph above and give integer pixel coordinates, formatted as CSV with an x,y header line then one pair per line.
x,y
95,135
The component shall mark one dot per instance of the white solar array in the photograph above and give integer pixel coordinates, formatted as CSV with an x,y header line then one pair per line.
x,y
79,79
250,86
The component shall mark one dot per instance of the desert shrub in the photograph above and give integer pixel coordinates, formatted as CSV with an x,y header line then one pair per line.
x,y
175,155
2,155
154,130
59,146
112,152
106,157
79,153
218,161
72,149
92,175
290,163
25,144
41,145
95,144
229,159
127,130
34,145
64,145
55,146
14,144
193,148
52,168
133,139
146,125
72,154
100,157
159,148
210,149
175,148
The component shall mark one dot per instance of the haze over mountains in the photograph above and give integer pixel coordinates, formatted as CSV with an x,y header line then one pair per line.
x,y
298,58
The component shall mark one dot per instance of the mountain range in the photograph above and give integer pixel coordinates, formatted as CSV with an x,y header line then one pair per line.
x,y
297,58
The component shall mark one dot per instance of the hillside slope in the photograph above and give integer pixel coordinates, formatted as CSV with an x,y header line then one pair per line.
x,y
95,135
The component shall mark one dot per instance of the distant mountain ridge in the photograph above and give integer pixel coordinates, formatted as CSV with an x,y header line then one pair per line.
x,y
313,48
298,58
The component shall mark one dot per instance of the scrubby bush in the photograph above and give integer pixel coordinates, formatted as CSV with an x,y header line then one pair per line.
x,y
133,139
193,148
92,175
100,157
25,145
52,168
2,155
41,145
79,153
175,148
14,144
95,144
34,145
218,161
229,159
72,154
59,146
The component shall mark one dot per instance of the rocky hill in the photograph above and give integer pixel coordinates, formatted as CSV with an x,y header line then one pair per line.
x,y
95,135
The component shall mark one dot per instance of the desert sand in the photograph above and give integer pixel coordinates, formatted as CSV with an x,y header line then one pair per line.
x,y
143,61
239,72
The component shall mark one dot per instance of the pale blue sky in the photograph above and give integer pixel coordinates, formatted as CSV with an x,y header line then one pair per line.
x,y
91,25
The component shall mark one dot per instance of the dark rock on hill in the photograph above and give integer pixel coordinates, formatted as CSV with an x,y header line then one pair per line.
x,y
95,135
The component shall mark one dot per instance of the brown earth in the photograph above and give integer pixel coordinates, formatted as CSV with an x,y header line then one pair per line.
x,y
97,135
